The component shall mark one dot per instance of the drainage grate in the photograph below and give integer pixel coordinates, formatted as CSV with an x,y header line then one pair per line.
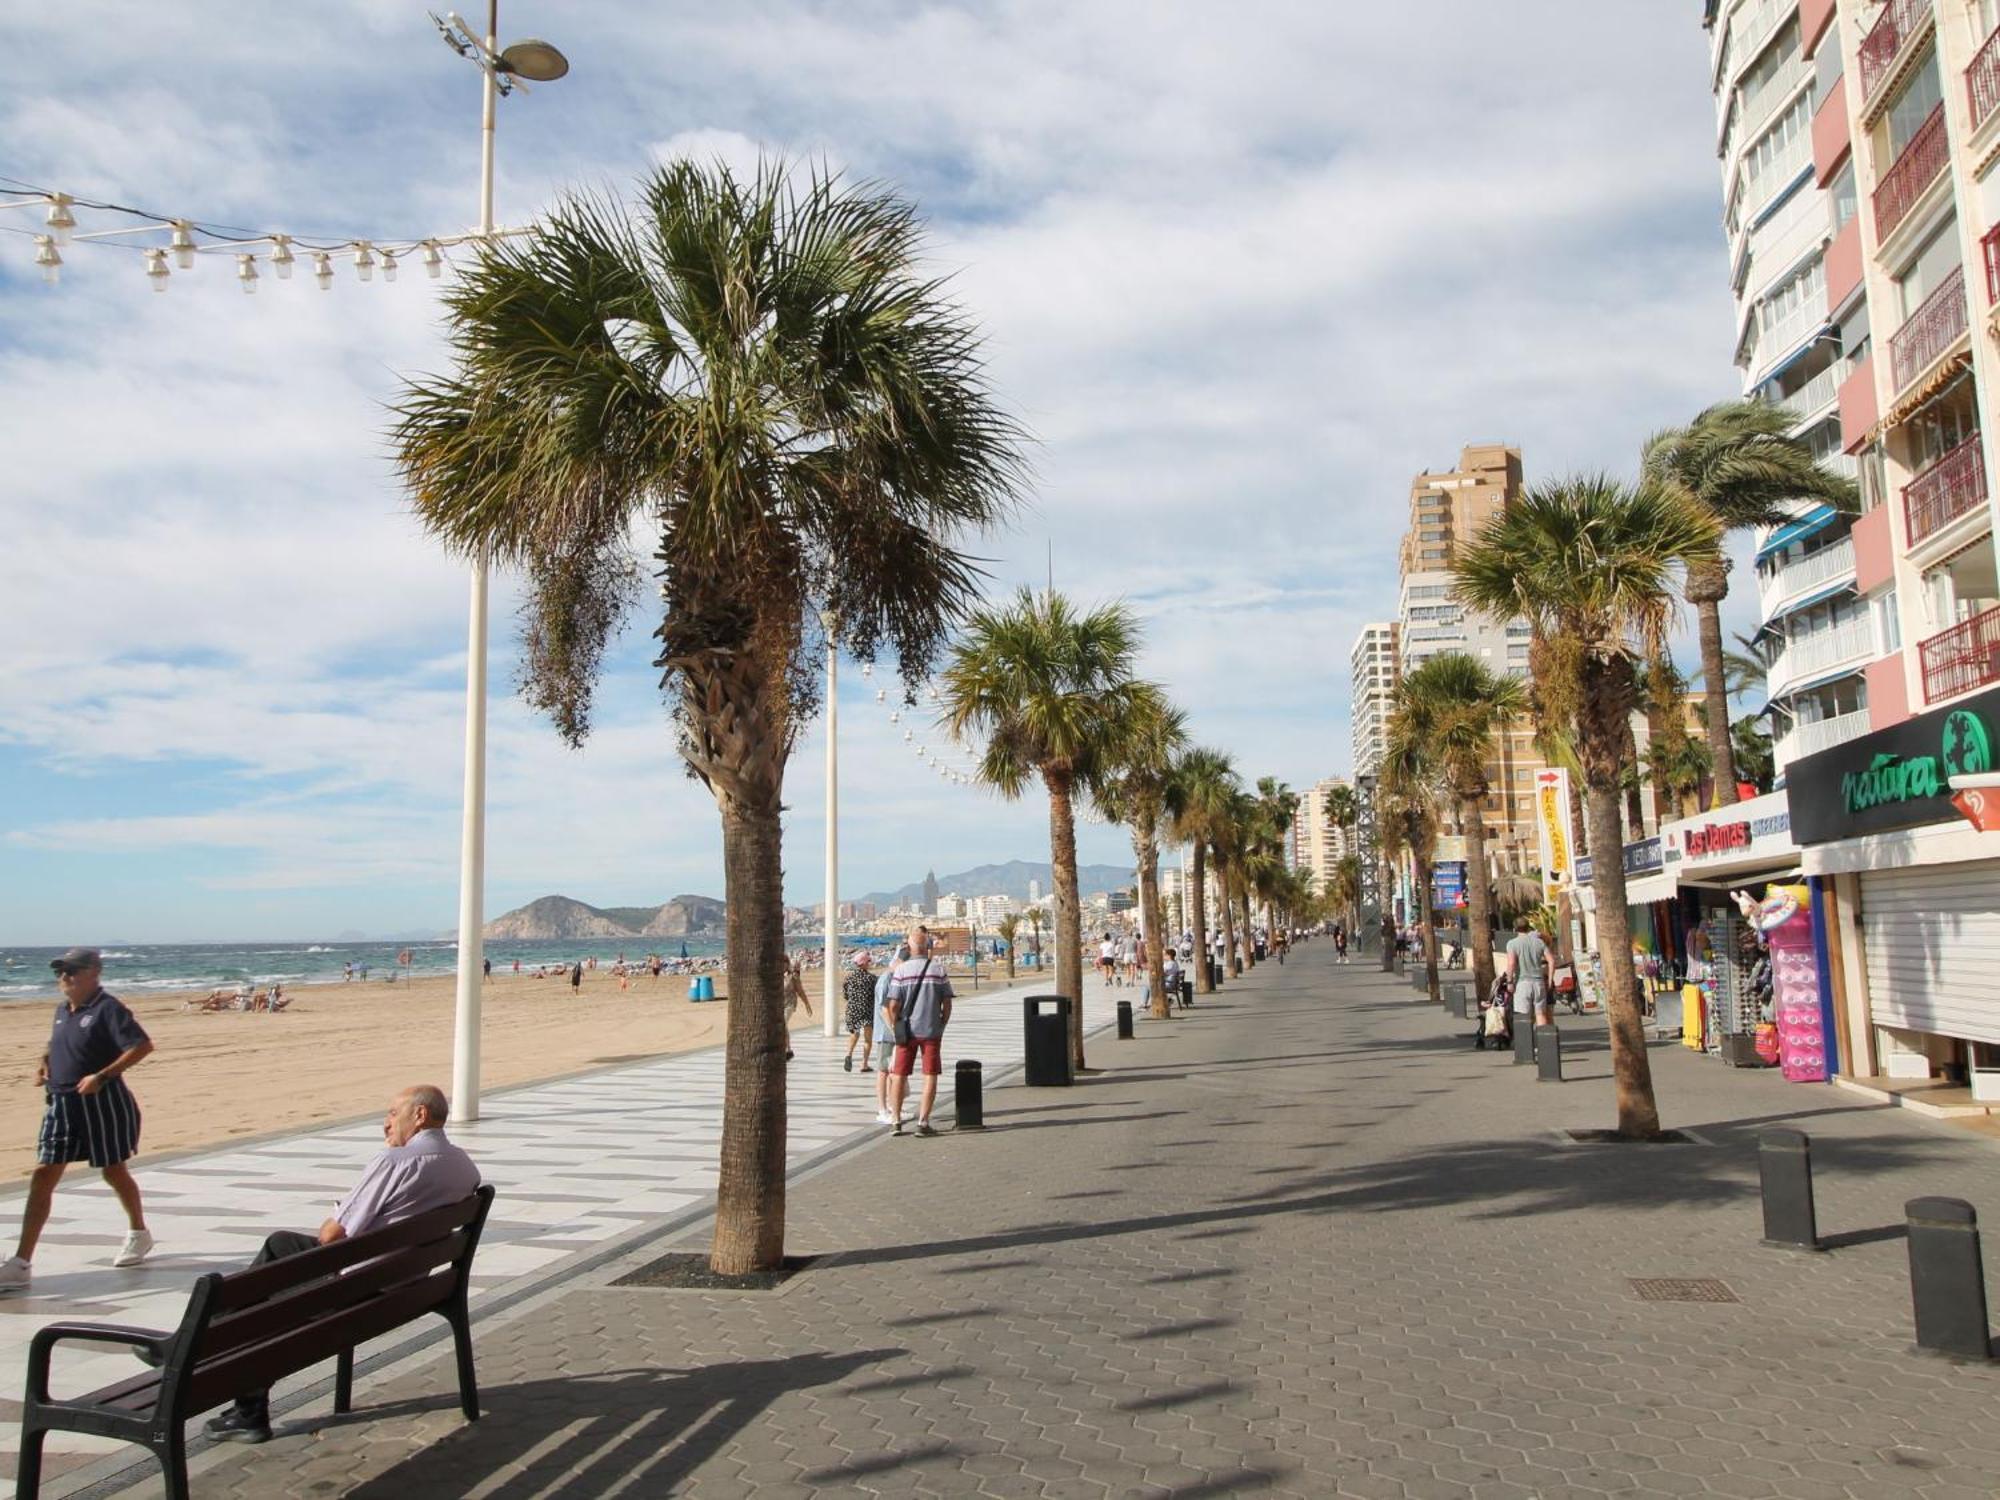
x,y
1682,1289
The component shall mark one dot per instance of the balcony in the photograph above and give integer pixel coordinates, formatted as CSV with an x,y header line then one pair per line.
x,y
1824,652
1814,397
1797,580
1965,657
1937,324
1778,88
1949,488
1810,739
1920,164
1982,81
1752,24
1899,23
1990,251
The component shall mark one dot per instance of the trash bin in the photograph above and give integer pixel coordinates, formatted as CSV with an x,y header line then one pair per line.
x,y
1045,1028
968,1095
1187,993
1453,995
1124,1020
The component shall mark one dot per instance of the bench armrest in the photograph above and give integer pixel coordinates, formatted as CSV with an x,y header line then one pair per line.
x,y
45,1340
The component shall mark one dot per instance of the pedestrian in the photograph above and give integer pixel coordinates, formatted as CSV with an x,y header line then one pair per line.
x,y
486,968
576,978
416,1171
884,1033
1170,977
1528,963
1107,960
91,1114
1340,945
859,994
918,1007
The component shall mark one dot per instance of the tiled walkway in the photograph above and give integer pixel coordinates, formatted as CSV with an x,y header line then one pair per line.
x,y
579,1164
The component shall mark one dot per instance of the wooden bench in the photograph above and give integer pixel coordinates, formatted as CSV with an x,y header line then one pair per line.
x,y
249,1329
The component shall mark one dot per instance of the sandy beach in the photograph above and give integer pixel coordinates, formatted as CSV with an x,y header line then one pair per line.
x,y
341,1050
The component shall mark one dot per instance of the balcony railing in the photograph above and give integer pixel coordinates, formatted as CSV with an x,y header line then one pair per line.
x,y
1990,246
1756,107
1822,734
1982,80
1900,20
1965,657
1949,488
1919,165
1797,579
1815,395
1825,651
1937,324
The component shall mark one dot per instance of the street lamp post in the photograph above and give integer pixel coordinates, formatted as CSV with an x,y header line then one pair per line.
x,y
831,931
541,62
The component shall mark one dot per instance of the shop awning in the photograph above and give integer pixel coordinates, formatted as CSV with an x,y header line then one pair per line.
x,y
1647,889
1817,519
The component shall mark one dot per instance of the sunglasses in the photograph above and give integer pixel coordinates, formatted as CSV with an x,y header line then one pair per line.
x,y
67,971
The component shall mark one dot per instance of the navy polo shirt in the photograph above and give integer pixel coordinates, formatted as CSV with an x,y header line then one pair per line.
x,y
88,1039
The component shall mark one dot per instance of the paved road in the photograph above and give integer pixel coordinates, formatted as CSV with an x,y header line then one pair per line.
x,y
1302,1242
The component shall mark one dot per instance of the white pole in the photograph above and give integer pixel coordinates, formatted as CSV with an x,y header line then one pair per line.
x,y
472,842
832,976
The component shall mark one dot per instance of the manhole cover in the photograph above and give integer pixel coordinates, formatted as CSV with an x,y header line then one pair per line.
x,y
1682,1289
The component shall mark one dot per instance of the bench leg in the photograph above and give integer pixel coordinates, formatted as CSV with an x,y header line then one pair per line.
x,y
468,1385
343,1383
28,1468
172,1453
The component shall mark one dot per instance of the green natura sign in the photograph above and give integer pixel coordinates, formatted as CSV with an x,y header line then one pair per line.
x,y
1890,778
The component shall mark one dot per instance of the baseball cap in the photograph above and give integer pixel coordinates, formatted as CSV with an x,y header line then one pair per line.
x,y
77,960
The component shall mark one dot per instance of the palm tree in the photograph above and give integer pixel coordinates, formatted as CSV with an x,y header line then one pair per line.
x,y
1410,789
1455,705
1590,564
1736,465
1227,845
1343,889
1754,760
1198,803
1046,688
1037,918
1278,810
760,378
1009,928
1139,762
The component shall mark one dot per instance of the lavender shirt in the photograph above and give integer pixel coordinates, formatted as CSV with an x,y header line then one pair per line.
x,y
404,1181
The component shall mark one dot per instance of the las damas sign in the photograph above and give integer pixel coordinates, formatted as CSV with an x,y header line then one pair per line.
x,y
1898,777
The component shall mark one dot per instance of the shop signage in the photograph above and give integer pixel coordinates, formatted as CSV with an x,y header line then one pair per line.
x,y
1896,778
1754,828
1642,857
1553,832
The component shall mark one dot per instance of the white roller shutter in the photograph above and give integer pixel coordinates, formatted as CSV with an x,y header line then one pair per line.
x,y
1931,937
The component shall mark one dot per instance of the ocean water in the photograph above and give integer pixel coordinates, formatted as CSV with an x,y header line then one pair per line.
x,y
141,968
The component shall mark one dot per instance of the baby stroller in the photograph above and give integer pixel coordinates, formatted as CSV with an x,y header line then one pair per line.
x,y
1496,1021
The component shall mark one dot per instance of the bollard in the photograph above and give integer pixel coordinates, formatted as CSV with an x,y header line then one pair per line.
x,y
1046,1042
968,1096
1947,1282
1187,994
1545,1042
1453,995
1468,1006
1784,1176
1399,961
1124,1020
1524,1038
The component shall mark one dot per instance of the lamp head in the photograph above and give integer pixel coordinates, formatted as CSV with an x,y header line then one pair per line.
x,y
533,59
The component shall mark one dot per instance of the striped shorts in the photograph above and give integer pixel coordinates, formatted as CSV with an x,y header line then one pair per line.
x,y
100,1128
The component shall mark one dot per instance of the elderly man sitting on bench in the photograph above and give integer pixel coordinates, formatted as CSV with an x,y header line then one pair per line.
x,y
417,1171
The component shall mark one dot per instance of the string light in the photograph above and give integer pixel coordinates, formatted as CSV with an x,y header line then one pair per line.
x,y
156,269
246,272
388,265
364,260
433,260
281,256
183,244
48,258
62,219
323,270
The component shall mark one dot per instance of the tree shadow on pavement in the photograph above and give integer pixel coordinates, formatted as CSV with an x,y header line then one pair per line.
x,y
622,1432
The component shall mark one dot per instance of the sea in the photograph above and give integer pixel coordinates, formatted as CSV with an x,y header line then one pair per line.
x,y
139,968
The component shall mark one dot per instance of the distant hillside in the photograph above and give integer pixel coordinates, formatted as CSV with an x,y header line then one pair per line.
x,y
1010,879
560,918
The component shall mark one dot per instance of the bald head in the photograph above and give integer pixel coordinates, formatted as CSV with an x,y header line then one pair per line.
x,y
421,1106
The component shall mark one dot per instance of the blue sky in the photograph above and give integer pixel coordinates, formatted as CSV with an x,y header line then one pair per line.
x,y
1243,270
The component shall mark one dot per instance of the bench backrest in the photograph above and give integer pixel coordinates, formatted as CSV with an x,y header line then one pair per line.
x,y
247,1329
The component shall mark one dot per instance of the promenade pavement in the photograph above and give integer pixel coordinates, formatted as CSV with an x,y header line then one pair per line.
x,y
583,1165
1302,1241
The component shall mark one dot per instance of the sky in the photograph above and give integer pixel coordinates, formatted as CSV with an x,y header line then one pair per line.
x,y
1241,271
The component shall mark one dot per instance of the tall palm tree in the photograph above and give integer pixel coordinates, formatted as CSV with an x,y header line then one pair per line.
x,y
1009,928
1046,687
1410,788
1343,889
1132,790
1227,845
1735,463
1455,704
761,379
1591,565
1037,918
1278,810
1199,802
1754,760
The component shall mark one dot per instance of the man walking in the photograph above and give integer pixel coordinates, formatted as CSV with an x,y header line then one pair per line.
x,y
918,1007
1528,962
91,1114
885,1035
417,1170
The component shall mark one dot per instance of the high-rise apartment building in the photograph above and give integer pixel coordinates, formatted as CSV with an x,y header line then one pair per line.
x,y
1317,845
1373,661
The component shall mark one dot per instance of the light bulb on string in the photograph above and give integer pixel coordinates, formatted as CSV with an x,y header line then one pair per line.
x,y
433,260
388,265
908,735
246,272
896,717
323,270
156,269
62,221
182,244
868,669
281,256
882,695
364,260
48,258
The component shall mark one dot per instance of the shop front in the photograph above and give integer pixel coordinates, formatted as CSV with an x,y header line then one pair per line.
x,y
1890,824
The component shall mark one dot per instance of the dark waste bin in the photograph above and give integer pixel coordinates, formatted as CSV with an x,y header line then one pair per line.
x,y
1187,993
1045,1024
1124,1020
969,1095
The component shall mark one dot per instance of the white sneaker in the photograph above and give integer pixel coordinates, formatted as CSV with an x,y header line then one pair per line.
x,y
883,1117
14,1273
138,1245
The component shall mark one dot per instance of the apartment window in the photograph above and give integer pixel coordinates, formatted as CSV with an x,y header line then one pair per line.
x,y
1934,265
1988,16
1846,199
1870,475
1774,147
1888,624
1913,106
1805,288
1774,60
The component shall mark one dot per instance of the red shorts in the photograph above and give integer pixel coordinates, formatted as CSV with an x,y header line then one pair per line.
x,y
904,1062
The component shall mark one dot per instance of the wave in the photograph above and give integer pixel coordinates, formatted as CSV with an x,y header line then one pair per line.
x,y
319,948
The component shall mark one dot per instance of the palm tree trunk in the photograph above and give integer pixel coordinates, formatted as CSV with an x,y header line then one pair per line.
x,y
1387,886
1708,622
1478,893
1010,960
750,1186
1427,922
1154,916
1069,916
1200,922
1631,1069
1249,934
1231,965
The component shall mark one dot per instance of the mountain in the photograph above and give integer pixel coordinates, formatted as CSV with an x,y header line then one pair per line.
x,y
558,918
1010,879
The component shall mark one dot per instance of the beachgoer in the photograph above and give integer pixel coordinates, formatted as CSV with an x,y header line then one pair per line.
x,y
91,1114
918,1008
416,1171
1170,977
1528,963
575,978
1107,960
885,1036
859,994
486,968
